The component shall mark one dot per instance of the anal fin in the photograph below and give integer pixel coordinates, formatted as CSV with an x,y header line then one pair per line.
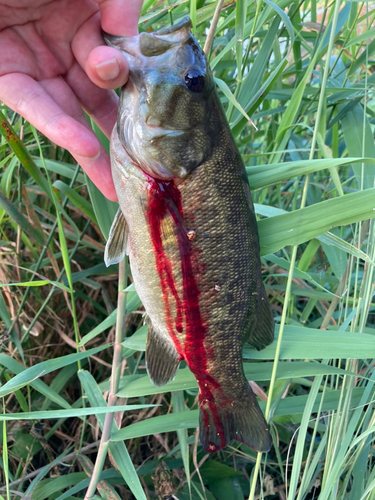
x,y
162,359
116,247
262,332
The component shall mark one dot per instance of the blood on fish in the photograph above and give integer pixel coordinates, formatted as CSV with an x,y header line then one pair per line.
x,y
157,208
165,200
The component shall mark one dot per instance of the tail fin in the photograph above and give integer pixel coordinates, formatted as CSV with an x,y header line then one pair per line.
x,y
239,419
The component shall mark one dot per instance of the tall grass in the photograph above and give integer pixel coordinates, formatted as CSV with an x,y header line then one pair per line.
x,y
303,72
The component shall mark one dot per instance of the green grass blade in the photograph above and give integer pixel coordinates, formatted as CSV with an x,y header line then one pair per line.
x,y
266,175
302,225
259,372
8,132
73,412
50,395
76,199
119,452
30,374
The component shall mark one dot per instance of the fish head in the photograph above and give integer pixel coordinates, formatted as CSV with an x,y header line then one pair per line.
x,y
165,105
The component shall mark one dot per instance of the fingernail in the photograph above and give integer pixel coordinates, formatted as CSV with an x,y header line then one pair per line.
x,y
108,70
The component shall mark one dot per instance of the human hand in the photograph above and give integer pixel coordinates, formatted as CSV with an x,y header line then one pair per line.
x,y
53,63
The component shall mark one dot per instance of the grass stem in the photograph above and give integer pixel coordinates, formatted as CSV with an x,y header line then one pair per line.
x,y
115,379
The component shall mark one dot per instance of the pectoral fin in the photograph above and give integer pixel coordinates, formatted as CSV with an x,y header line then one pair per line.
x,y
162,359
116,247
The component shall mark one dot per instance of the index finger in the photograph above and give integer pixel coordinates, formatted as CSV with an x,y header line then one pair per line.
x,y
120,17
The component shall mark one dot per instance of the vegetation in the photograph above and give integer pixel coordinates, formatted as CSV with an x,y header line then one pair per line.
x,y
304,72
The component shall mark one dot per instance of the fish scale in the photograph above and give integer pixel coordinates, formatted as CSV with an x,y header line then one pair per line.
x,y
187,222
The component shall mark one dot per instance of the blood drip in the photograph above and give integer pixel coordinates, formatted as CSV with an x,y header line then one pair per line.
x,y
165,200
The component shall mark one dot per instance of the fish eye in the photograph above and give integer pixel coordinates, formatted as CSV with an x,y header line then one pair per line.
x,y
194,80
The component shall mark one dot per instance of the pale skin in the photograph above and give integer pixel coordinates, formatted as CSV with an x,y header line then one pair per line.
x,y
53,63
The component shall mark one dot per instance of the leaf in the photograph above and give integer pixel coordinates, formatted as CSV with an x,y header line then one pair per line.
x,y
76,199
20,150
212,471
38,283
298,342
189,420
357,132
284,18
132,303
59,167
334,240
45,470
104,209
241,8
284,264
20,219
252,81
73,412
106,491
119,452
265,175
302,225
226,487
309,343
138,340
50,395
185,380
47,488
360,38
228,94
178,401
30,374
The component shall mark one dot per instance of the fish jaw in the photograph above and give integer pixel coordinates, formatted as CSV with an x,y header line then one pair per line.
x,y
164,108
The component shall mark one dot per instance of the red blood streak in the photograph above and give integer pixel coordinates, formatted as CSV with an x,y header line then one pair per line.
x,y
157,208
165,201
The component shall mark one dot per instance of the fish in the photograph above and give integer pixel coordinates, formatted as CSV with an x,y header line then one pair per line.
x,y
187,222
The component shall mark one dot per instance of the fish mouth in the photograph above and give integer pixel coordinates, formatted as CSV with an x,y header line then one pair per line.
x,y
185,23
151,44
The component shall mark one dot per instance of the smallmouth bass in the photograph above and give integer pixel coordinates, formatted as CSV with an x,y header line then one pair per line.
x,y
187,222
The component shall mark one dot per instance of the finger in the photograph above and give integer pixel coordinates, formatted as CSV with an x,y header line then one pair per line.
x,y
99,171
119,17
105,66
97,168
100,104
37,104
28,98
